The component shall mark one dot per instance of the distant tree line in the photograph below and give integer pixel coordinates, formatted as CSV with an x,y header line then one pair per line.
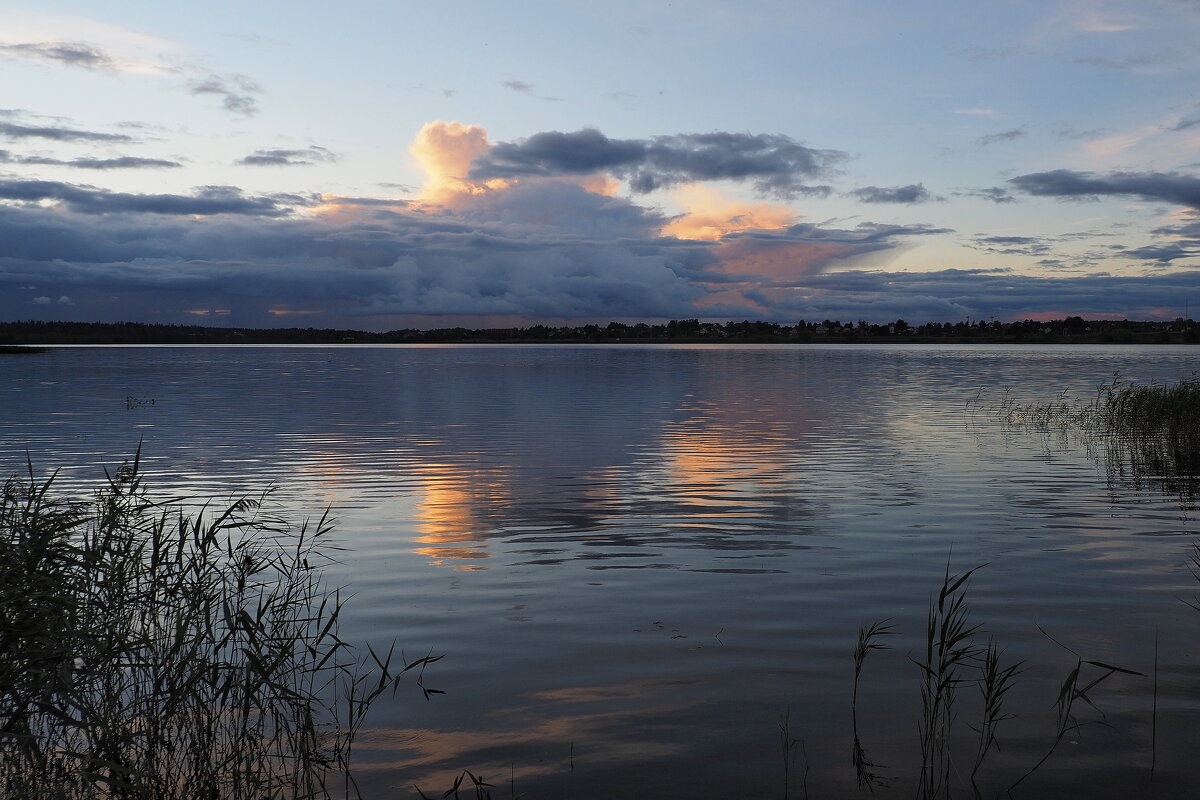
x,y
1070,329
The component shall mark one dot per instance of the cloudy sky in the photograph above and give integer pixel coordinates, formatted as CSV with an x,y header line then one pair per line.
x,y
379,165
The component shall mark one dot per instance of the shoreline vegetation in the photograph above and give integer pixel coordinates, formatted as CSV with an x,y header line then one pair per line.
x,y
1147,434
152,653
17,336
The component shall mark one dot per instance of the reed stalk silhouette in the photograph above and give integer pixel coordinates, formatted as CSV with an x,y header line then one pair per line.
x,y
150,654
950,650
864,768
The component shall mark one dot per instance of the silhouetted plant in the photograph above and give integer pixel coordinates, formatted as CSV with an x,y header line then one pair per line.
x,y
150,654
949,651
1146,434
864,768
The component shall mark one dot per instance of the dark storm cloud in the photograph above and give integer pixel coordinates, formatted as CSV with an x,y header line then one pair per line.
x,y
913,193
776,164
91,200
236,92
73,54
12,130
120,162
543,248
1172,187
599,259
1002,136
376,261
288,158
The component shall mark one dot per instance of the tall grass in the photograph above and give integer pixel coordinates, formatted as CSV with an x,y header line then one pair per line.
x,y
1119,407
950,650
957,657
150,654
1152,409
864,768
1148,434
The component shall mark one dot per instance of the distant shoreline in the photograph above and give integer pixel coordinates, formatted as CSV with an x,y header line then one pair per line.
x,y
24,337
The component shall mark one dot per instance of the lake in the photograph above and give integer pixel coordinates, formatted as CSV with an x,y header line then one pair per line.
x,y
647,566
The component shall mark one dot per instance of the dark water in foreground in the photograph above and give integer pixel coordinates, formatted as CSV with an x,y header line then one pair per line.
x,y
639,560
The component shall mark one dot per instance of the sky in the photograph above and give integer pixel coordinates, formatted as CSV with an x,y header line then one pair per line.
x,y
384,165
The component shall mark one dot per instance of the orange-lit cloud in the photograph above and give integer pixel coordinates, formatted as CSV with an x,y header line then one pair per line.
x,y
783,258
339,209
600,184
445,150
709,216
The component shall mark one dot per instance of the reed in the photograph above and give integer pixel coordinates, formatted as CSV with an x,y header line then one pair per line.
x,y
1068,694
950,651
864,768
995,681
151,654
475,786
955,659
1195,559
1146,434
1117,407
1152,409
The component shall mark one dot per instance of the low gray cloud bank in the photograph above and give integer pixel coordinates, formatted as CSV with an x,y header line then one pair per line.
x,y
544,249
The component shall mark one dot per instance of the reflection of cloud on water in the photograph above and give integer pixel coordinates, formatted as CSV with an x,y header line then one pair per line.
x,y
610,455
595,719
453,511
611,466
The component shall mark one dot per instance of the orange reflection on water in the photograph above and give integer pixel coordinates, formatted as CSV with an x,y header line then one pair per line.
x,y
723,455
455,509
549,725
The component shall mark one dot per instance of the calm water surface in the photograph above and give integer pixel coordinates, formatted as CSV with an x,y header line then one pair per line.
x,y
639,561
